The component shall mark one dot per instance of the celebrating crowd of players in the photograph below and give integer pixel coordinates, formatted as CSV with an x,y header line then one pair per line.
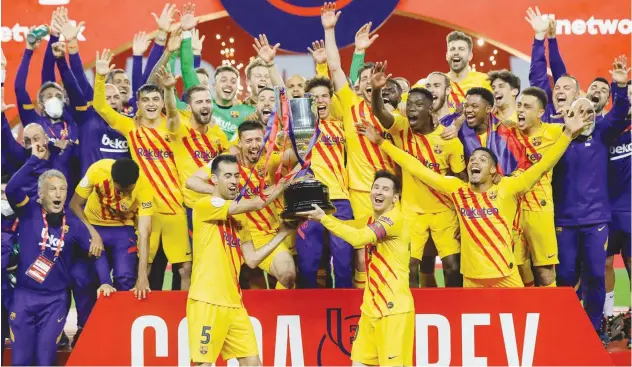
x,y
510,187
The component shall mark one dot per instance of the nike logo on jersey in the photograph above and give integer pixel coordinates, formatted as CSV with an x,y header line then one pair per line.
x,y
59,320
601,229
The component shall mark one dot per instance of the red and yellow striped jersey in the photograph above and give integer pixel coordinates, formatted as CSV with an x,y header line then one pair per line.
x,y
473,79
485,217
540,198
387,256
106,206
363,157
435,153
193,150
150,148
266,220
217,259
328,159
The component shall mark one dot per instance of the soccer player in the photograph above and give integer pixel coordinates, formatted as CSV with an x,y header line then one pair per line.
x,y
265,104
117,196
51,241
486,209
439,85
566,87
226,114
506,87
218,322
258,77
386,328
462,77
328,165
619,193
263,223
582,214
537,222
363,157
151,141
296,86
427,212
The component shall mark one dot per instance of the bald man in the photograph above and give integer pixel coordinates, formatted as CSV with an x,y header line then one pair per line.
x,y
296,86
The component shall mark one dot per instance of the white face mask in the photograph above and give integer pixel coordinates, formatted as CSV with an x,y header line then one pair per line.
x,y
54,107
6,208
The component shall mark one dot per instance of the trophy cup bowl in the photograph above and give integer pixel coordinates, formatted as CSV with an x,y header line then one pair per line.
x,y
300,195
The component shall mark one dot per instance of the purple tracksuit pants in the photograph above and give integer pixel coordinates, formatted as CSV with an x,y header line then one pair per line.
x,y
309,246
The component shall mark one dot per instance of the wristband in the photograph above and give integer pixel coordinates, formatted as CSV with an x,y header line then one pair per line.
x,y
186,34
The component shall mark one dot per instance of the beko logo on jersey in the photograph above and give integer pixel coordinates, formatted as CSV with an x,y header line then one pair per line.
x,y
154,153
53,242
478,212
620,151
115,144
592,26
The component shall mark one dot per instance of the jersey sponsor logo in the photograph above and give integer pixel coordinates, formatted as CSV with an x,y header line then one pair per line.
x,y
204,155
331,140
433,166
476,213
115,145
387,220
620,151
53,242
231,240
153,154
264,17
592,26
225,125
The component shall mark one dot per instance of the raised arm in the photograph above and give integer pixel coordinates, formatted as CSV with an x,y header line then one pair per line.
x,y
378,81
164,23
70,31
174,45
78,102
362,42
116,121
189,33
200,181
329,18
16,195
558,68
266,52
538,70
11,149
168,83
139,47
26,110
616,121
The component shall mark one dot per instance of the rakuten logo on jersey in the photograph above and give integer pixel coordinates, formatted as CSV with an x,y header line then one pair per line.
x,y
113,145
592,26
18,33
620,151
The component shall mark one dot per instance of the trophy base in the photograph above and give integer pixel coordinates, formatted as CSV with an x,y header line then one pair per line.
x,y
300,196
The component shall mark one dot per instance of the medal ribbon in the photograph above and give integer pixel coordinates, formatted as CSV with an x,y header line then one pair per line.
x,y
63,136
45,235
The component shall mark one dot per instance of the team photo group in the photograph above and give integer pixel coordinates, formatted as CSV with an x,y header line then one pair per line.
x,y
354,178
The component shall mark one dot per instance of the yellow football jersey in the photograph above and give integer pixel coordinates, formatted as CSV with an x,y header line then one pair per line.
x,y
363,157
106,206
328,159
151,148
435,153
540,198
193,150
485,218
217,259
387,256
473,79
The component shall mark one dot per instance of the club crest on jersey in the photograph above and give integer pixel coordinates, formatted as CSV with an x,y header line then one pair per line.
x,y
234,114
437,149
203,349
124,206
537,141
167,138
492,195
12,316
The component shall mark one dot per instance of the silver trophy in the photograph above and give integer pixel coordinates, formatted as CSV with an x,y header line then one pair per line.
x,y
300,195
304,123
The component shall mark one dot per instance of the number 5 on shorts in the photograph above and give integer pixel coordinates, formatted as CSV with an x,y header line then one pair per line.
x,y
206,337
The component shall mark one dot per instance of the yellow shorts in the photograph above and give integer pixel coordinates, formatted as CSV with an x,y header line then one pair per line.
x,y
259,240
520,246
217,329
511,281
539,234
384,341
360,203
442,226
173,232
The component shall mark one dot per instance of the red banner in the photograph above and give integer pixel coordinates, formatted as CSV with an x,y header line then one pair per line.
x,y
541,326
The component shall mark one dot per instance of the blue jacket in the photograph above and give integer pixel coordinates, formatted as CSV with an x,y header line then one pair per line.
x,y
580,178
